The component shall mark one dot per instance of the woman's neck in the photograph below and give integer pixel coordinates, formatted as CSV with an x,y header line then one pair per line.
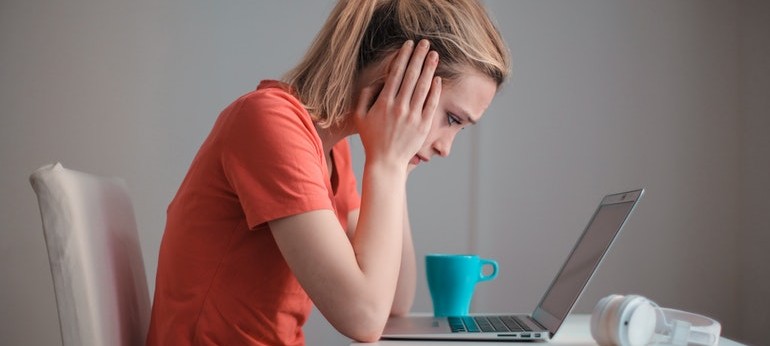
x,y
335,133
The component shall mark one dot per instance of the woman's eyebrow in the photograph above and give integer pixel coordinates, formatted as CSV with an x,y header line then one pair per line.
x,y
463,113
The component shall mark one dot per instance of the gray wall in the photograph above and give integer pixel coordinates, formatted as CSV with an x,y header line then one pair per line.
x,y
754,107
605,95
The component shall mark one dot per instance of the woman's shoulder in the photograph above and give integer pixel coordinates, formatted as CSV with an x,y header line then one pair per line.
x,y
272,98
271,93
269,113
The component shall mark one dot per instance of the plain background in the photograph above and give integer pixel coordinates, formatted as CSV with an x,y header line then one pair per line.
x,y
672,96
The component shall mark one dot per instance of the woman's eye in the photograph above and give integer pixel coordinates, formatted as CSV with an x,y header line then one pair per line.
x,y
453,119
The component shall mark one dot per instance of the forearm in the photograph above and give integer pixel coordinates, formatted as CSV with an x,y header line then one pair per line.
x,y
407,276
378,239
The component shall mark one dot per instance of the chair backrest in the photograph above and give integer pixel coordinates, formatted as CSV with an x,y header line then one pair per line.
x,y
96,260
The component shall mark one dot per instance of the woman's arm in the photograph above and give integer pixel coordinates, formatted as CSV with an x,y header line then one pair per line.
x,y
407,275
353,282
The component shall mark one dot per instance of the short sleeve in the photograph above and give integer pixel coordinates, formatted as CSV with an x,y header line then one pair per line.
x,y
272,157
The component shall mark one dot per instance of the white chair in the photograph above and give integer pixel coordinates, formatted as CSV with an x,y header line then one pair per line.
x,y
95,256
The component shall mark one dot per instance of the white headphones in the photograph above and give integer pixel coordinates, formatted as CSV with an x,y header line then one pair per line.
x,y
634,320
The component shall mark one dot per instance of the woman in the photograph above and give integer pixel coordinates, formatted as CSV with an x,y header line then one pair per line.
x,y
268,218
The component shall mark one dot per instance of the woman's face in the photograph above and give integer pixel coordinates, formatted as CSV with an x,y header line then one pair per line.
x,y
462,103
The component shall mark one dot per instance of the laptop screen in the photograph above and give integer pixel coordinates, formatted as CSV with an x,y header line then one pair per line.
x,y
585,257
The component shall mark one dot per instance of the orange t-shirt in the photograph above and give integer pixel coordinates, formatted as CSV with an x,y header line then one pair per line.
x,y
221,279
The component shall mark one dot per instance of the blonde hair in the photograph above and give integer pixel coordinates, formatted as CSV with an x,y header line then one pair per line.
x,y
361,32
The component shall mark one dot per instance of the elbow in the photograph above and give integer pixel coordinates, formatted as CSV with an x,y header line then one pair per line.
x,y
367,337
365,332
364,325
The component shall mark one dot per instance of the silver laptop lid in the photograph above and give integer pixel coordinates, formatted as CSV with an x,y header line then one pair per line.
x,y
580,266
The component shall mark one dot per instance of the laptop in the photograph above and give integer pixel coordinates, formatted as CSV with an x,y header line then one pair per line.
x,y
556,303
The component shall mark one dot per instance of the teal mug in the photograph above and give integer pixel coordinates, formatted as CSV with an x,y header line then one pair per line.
x,y
452,280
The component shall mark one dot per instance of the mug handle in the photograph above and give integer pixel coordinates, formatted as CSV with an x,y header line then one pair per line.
x,y
483,262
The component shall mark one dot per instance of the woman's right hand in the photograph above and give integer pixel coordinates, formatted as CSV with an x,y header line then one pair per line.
x,y
396,125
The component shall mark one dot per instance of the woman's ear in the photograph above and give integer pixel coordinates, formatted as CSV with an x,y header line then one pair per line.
x,y
386,64
377,86
375,74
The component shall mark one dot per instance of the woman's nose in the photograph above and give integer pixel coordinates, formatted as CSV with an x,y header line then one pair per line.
x,y
443,145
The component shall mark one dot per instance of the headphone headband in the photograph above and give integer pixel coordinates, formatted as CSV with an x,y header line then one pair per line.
x,y
635,320
703,330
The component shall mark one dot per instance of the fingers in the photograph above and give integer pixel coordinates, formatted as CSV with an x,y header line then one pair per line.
x,y
396,73
412,69
423,84
413,73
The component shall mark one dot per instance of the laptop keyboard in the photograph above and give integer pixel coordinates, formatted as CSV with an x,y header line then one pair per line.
x,y
487,324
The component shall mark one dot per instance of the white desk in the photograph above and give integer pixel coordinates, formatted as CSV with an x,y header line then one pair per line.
x,y
574,332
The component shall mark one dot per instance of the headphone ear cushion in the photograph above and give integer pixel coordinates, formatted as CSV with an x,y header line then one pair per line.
x,y
601,319
641,324
634,323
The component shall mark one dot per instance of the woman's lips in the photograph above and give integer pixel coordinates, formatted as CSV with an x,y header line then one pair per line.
x,y
417,159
